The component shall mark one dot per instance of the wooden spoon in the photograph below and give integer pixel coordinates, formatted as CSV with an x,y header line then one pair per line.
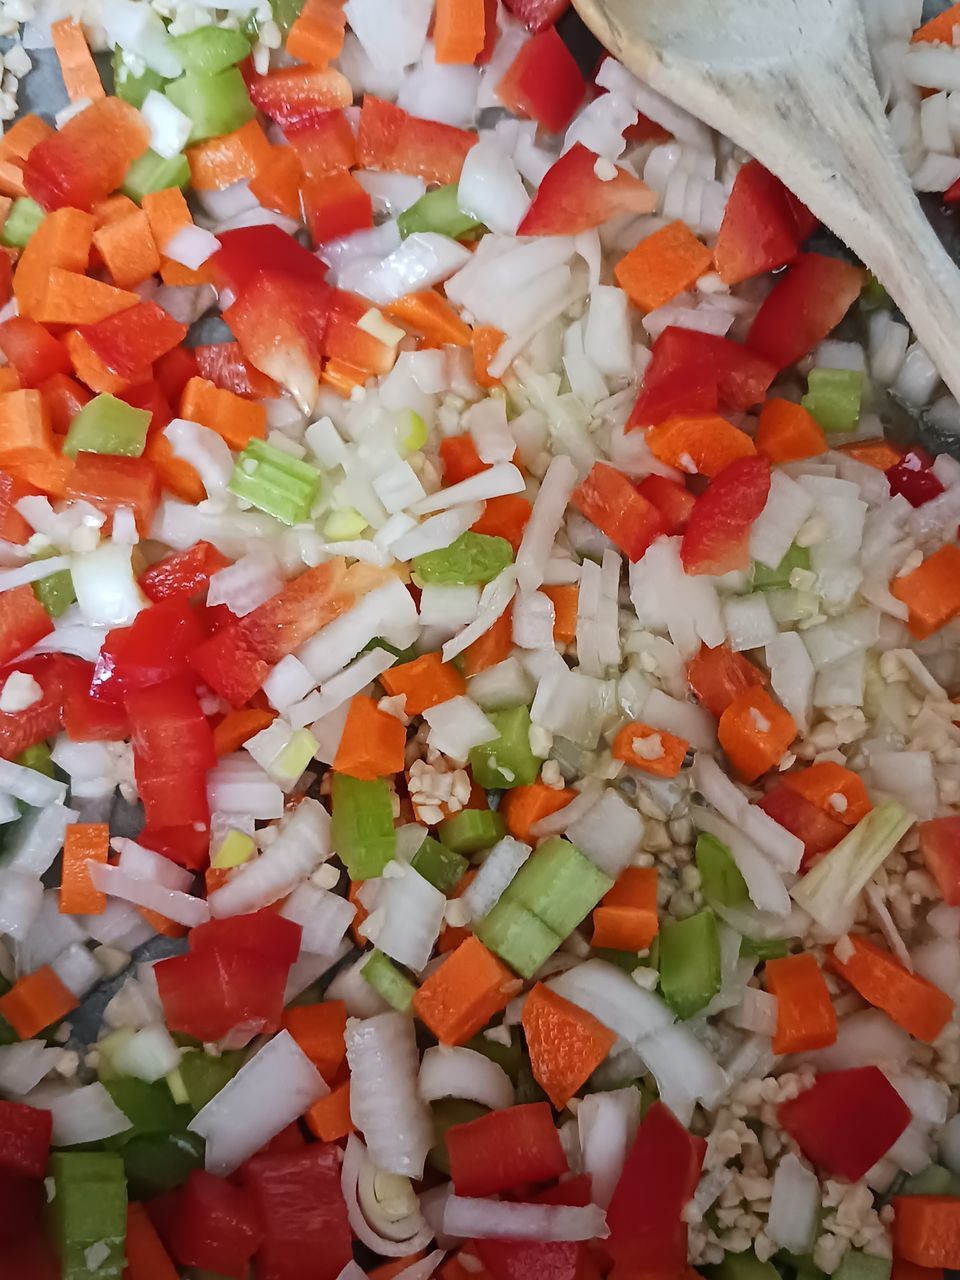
x,y
790,82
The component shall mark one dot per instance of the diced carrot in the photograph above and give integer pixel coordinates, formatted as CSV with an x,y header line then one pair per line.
x,y
63,239
492,647
565,1043
806,1018
718,675
36,1001
459,30
113,209
353,895
167,213
833,788
318,1030
343,378
84,842
278,182
424,682
317,35
663,265
219,162
11,179
786,432
565,599
174,474
13,527
329,1118
388,1270
505,517
626,919
873,453
25,431
651,750
460,997
523,807
237,420
939,29
372,743
147,1259
431,316
6,204
926,1230
755,731
128,249
705,443
214,878
487,341
931,591
460,459
237,726
912,1002
48,473
74,299
80,76
22,136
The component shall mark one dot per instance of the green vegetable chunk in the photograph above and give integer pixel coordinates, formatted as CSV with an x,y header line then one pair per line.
x,y
517,936
88,1213
438,864
833,398
720,878
387,980
152,173
447,1113
778,579
204,1076
935,1180
472,830
159,1162
690,962
506,761
362,827
216,104
108,425
21,222
55,593
276,483
473,559
131,88
285,13
438,211
744,1266
856,1265
209,50
559,884
37,757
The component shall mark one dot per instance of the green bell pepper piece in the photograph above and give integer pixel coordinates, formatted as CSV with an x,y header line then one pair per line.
x,y
55,593
21,222
37,757
438,211
507,1056
131,88
473,559
204,1076
150,173
778,579
447,1113
209,50
745,1266
935,1180
150,1109
856,1265
216,104
159,1162
720,878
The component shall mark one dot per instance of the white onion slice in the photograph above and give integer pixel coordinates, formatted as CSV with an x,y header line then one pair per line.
x,y
501,1220
463,1073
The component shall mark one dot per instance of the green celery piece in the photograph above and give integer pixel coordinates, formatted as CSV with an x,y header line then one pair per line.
x,y
131,88
507,760
37,757
720,878
517,936
285,13
763,948
275,482
150,1108
473,559
935,1180
447,1113
438,211
209,50
690,962
159,1162
387,980
472,830
507,1056
856,1265
216,104
204,1076
833,398
438,864
778,579
88,1206
55,593
21,222
152,173
559,885
108,425
745,1266
362,828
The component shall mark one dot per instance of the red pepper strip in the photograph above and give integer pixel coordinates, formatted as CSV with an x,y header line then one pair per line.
x,y
505,1150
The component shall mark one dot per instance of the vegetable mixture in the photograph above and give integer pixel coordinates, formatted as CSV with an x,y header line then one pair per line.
x,y
505,671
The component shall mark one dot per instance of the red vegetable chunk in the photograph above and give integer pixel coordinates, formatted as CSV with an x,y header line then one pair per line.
x,y
216,1226
537,15
543,82
505,1150
219,992
803,307
610,500
24,1139
804,819
940,846
571,198
718,530
759,232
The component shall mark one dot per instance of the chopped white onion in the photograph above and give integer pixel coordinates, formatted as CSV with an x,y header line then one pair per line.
x,y
794,1205
507,1220
180,907
458,725
606,1124
80,1114
302,844
496,872
463,1073
613,997
385,1104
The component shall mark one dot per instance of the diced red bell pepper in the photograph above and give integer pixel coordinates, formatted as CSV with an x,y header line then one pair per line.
x,y
133,339
261,933
846,1121
913,478
291,94
183,573
152,649
87,160
33,350
537,15
149,395
186,845
24,1139
7,260
571,198
505,1150
611,502
940,846
804,819
659,1176
109,481
345,340
673,500
335,205
543,82
22,1201
85,718
63,397
806,304
390,138
216,1226
172,749
698,372
175,369
13,527
307,1234
759,231
23,621
222,363
718,530
323,142
717,676
22,729
534,1259
32,1257
460,459
218,992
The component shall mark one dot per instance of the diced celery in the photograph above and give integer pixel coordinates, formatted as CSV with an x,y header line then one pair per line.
x,y
833,398
178,1090
472,830
88,1211
21,222
720,878
517,936
778,579
935,1180
108,425
207,50
362,827
438,864
276,483
690,962
235,849
856,1265
559,885
204,1076
216,104
763,948
474,558
55,593
507,760
438,211
344,524
792,606
386,979
745,1266
152,173
411,432
447,1113
285,13
37,758
131,88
